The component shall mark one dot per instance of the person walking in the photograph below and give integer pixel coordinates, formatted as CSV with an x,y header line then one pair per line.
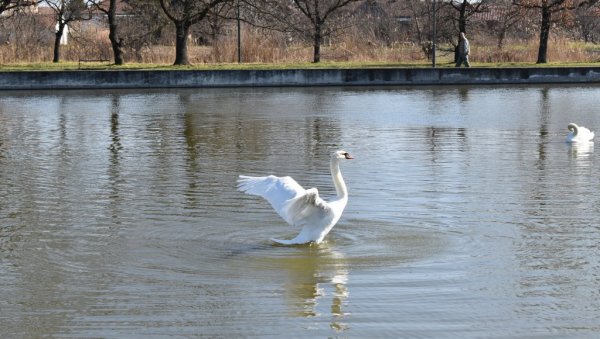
x,y
463,51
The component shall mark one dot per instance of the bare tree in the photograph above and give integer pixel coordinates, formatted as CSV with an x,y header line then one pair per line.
x,y
588,22
319,13
376,20
25,35
7,5
505,17
550,10
316,19
66,12
116,41
422,19
184,14
216,21
143,26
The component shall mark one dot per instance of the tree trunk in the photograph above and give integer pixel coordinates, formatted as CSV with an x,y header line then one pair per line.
x,y
544,35
116,44
317,44
181,52
57,37
501,37
115,41
462,19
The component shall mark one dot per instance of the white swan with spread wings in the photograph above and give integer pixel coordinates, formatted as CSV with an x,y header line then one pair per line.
x,y
302,207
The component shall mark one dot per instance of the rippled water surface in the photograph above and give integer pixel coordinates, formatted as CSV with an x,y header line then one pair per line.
x,y
469,216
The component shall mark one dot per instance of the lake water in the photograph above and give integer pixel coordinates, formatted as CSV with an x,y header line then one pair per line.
x,y
468,216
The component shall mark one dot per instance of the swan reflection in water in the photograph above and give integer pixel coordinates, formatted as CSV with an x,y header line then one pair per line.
x,y
316,283
581,149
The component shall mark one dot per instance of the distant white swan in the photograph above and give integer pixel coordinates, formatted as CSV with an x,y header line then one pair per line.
x,y
579,134
302,207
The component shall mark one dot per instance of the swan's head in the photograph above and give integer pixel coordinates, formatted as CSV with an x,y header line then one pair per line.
x,y
341,155
572,127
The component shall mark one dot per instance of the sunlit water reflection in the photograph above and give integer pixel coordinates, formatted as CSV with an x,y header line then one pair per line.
x,y
469,216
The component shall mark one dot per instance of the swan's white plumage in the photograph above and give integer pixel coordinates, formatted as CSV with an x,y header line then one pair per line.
x,y
290,200
301,207
579,134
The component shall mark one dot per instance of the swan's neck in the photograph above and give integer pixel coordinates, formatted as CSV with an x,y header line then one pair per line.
x,y
574,129
338,181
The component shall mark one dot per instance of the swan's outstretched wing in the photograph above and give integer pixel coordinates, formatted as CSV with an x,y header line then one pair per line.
x,y
297,206
308,209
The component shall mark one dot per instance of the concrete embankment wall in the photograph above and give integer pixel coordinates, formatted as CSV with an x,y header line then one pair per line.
x,y
93,79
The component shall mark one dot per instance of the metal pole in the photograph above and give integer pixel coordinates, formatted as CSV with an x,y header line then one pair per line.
x,y
434,35
239,35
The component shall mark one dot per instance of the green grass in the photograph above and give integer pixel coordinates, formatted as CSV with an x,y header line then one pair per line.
x,y
532,64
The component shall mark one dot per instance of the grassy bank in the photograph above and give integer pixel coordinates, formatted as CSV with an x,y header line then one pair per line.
x,y
258,54
67,66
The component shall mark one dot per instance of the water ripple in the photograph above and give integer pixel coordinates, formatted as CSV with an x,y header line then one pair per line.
x,y
468,214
